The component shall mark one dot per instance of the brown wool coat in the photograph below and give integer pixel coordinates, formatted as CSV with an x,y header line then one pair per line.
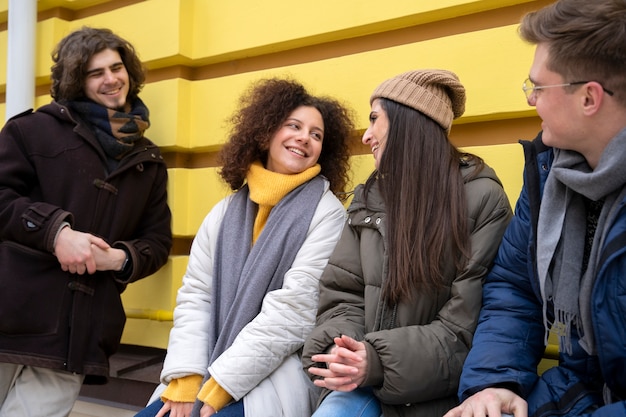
x,y
416,349
52,170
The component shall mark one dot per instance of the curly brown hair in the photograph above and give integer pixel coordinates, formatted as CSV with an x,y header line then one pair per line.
x,y
262,110
73,53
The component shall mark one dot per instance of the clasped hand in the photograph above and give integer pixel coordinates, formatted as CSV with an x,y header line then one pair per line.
x,y
81,253
346,365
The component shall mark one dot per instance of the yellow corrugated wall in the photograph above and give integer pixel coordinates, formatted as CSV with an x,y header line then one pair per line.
x,y
201,54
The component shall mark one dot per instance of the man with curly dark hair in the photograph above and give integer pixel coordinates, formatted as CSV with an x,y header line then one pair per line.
x,y
250,293
83,212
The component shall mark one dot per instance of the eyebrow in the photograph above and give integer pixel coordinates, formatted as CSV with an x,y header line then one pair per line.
x,y
300,121
115,64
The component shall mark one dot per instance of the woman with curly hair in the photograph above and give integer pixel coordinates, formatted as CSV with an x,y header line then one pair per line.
x,y
250,292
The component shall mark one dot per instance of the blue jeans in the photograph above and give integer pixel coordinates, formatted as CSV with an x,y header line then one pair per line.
x,y
358,403
231,410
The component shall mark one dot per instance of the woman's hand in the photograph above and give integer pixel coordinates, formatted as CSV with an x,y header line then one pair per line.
x,y
346,365
176,409
207,410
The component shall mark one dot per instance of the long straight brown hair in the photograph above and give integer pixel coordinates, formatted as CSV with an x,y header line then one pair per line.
x,y
422,187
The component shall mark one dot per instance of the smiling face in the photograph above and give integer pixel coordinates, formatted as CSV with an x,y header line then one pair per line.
x,y
376,134
557,107
107,81
297,144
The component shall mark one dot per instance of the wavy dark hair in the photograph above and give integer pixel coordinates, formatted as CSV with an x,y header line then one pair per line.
x,y
73,53
422,186
262,110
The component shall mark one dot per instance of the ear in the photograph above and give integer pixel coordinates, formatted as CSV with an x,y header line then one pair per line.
x,y
593,98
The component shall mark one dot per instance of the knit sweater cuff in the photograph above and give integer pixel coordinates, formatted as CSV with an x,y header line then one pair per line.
x,y
214,395
182,390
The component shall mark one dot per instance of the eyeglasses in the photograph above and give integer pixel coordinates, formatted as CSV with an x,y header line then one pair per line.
x,y
529,87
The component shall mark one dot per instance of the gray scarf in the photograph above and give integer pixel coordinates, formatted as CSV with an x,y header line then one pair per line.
x,y
243,276
561,236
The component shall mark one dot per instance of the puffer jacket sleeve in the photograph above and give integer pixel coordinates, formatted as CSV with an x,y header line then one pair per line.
x,y
509,339
432,355
341,309
188,350
288,314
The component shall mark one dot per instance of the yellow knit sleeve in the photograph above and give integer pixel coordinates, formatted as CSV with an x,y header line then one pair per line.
x,y
214,395
182,390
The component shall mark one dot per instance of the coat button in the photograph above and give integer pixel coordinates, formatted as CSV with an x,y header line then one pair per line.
x,y
367,219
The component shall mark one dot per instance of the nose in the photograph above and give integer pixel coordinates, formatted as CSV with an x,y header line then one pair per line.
x,y
304,136
532,98
367,136
109,76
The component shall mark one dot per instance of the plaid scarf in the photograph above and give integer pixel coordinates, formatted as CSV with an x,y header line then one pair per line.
x,y
116,131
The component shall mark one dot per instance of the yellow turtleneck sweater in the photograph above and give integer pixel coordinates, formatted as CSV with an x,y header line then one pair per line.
x,y
267,188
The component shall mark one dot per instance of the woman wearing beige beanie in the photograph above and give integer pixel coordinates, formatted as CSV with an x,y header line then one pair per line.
x,y
400,296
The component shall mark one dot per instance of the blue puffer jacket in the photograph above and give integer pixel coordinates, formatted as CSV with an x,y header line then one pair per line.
x,y
509,341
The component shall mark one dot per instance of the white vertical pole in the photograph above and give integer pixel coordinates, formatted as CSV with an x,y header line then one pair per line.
x,y
22,26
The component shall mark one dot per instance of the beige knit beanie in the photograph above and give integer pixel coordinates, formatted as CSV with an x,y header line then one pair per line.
x,y
436,93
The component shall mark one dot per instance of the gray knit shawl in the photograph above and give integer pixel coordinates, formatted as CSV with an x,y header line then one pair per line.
x,y
243,276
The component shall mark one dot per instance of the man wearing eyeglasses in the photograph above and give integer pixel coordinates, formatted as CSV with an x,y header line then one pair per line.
x,y
561,267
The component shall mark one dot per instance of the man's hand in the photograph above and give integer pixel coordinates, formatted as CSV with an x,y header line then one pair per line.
x,y
492,402
74,251
110,259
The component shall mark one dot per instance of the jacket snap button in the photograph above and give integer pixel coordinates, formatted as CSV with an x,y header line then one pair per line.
x,y
367,219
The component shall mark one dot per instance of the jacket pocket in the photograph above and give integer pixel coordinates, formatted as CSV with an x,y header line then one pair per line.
x,y
33,291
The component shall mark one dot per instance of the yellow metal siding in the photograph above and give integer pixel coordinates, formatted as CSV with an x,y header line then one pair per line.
x,y
202,54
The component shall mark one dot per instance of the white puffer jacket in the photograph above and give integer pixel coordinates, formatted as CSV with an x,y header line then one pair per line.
x,y
263,364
